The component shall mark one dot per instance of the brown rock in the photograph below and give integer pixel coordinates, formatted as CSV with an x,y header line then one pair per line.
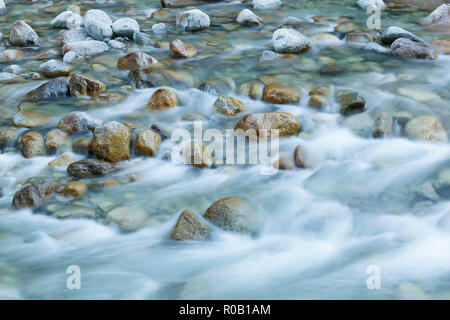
x,y
283,163
82,86
111,142
383,125
182,50
178,3
82,145
278,94
228,106
89,168
6,136
135,60
426,128
189,227
198,155
408,49
441,45
233,214
75,189
62,161
300,157
147,143
32,145
162,99
286,123
29,119
350,102
11,55
78,121
55,139
320,91
34,194
318,102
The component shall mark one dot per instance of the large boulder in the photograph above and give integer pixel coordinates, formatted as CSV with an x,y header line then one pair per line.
x,y
279,94
287,40
406,48
286,123
32,145
193,20
21,34
125,27
393,33
111,142
162,99
98,24
135,60
88,168
78,121
81,86
52,89
34,194
425,128
189,227
233,214
147,142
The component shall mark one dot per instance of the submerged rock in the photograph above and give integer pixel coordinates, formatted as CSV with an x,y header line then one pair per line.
x,y
383,125
128,218
135,60
290,41
301,157
62,161
425,128
162,99
98,24
233,214
247,18
29,119
182,50
189,227
393,33
228,106
34,194
6,137
266,4
286,123
406,48
32,145
350,102
193,20
6,77
81,86
441,45
55,139
75,189
147,142
279,94
78,121
178,3
111,142
50,90
318,102
21,34
89,168
11,55
159,28
74,35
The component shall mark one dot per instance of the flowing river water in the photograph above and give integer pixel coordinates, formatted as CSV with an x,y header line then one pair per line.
x,y
322,227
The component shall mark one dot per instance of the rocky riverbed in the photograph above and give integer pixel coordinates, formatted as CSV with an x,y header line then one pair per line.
x,y
92,91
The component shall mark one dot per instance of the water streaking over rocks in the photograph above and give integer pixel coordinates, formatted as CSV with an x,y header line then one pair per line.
x,y
92,93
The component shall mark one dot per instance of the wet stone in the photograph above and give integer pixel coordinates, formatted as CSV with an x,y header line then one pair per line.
x,y
189,227
89,168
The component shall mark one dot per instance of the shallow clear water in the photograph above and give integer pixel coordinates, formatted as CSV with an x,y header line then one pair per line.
x,y
322,227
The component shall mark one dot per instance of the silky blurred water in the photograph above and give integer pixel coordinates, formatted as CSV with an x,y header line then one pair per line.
x,y
321,227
